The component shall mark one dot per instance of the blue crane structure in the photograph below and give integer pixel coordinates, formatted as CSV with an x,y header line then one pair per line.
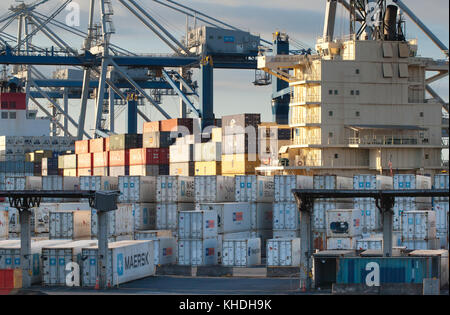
x,y
99,54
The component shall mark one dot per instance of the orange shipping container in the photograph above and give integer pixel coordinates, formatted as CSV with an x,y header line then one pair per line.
x,y
85,160
178,124
151,126
137,157
81,146
97,145
101,159
119,158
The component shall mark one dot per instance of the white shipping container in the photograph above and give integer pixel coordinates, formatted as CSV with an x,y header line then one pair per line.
x,y
343,223
152,234
99,183
283,252
286,233
231,217
402,205
442,240
214,188
321,207
120,221
254,188
370,215
197,224
165,250
4,224
441,182
167,214
368,182
144,216
369,243
42,217
441,209
55,259
261,216
137,189
421,244
202,252
241,252
175,189
70,224
128,261
285,183
181,153
411,181
211,151
418,225
341,243
286,216
332,182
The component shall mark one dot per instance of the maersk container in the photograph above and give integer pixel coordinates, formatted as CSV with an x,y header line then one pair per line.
x,y
99,183
357,270
128,261
167,214
332,182
283,252
137,189
254,188
418,225
441,182
441,209
71,225
285,183
370,215
343,223
411,181
321,207
152,234
200,252
10,257
241,252
144,216
175,189
286,216
334,243
214,189
55,259
261,216
286,233
368,182
197,224
120,221
231,217
4,224
369,243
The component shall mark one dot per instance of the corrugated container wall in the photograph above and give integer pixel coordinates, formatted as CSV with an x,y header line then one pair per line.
x,y
197,252
283,252
285,183
253,188
231,217
175,189
197,224
214,189
241,252
70,224
137,189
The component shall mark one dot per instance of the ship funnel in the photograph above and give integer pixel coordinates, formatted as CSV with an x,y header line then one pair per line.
x,y
390,23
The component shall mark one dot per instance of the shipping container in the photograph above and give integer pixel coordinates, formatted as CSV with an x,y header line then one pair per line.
x,y
121,263
117,171
253,188
157,140
137,189
214,189
201,252
149,170
334,243
440,262
84,172
197,224
343,223
119,158
429,244
152,234
369,243
165,251
261,216
286,216
411,181
167,214
149,156
418,225
97,145
240,143
120,221
367,182
69,224
207,152
332,182
216,135
144,216
151,126
4,224
101,159
321,207
70,161
100,171
370,215
241,252
237,123
125,142
175,189
285,183
85,160
23,183
283,252
441,209
231,217
441,182
82,146
99,183
208,169
239,164
70,172
181,153
182,169
183,126
55,259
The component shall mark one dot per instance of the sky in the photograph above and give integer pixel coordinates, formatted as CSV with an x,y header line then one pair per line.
x,y
233,89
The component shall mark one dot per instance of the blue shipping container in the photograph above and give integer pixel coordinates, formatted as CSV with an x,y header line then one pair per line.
x,y
384,270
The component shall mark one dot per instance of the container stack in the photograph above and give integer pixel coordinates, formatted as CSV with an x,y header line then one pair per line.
x,y
197,238
173,194
182,157
440,206
286,217
241,252
419,230
165,245
371,218
4,223
49,166
36,158
208,157
283,252
68,164
271,138
240,144
100,156
119,154
322,206
343,228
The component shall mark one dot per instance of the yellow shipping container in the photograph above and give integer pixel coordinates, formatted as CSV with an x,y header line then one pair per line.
x,y
208,168
239,164
72,172
216,135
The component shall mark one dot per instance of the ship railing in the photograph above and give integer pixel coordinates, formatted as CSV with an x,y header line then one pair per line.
x,y
387,140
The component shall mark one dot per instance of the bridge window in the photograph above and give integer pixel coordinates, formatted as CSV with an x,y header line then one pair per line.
x,y
5,115
12,115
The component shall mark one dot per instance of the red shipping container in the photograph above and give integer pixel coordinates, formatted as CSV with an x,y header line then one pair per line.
x,y
119,158
85,160
81,146
97,145
13,101
100,159
149,156
151,126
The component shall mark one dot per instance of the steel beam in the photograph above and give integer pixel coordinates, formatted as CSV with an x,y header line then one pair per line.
x,y
25,246
206,95
330,19
48,114
437,97
103,255
132,116
179,92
